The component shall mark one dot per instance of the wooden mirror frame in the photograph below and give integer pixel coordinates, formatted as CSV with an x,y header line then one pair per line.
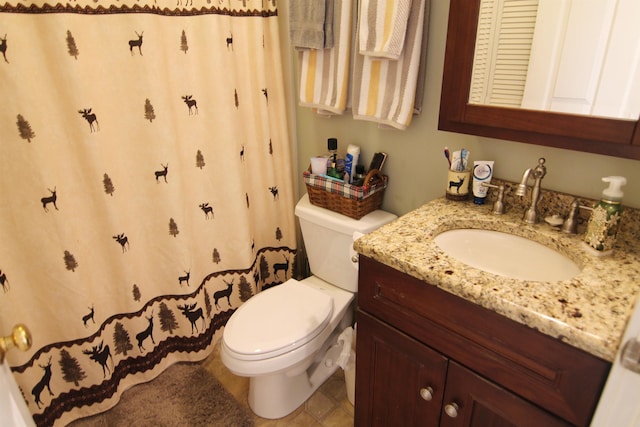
x,y
612,137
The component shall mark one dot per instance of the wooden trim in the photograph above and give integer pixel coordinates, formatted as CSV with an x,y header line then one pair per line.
x,y
619,138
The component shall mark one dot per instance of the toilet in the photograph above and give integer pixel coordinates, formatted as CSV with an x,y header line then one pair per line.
x,y
285,338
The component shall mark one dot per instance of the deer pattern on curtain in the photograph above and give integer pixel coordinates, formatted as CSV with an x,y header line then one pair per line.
x,y
147,187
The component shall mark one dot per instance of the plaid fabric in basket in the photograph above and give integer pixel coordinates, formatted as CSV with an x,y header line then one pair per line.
x,y
346,190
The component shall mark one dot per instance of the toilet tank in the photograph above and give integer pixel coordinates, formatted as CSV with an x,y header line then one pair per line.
x,y
328,238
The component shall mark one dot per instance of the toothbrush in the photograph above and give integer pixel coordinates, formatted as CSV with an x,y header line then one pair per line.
x,y
447,155
456,161
464,154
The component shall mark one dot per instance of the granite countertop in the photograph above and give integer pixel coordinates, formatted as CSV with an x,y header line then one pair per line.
x,y
589,311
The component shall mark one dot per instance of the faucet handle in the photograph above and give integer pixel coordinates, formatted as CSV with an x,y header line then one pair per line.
x,y
498,205
570,225
540,170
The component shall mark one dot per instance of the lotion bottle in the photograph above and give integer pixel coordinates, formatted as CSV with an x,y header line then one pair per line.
x,y
605,217
482,172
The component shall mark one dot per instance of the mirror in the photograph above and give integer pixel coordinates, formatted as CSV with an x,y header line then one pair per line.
x,y
607,136
566,56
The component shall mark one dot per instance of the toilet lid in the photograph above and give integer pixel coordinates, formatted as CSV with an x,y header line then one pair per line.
x,y
278,320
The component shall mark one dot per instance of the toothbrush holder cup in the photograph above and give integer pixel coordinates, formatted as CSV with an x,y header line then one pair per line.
x,y
458,185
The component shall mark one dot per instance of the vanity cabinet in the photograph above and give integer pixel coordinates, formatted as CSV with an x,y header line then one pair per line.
x,y
427,357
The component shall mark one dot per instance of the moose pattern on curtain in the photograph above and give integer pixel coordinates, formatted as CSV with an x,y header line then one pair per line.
x,y
147,187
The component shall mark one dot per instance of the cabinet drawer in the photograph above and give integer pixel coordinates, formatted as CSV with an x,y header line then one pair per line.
x,y
560,378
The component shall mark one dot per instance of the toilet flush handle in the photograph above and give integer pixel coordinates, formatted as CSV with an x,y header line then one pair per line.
x,y
354,254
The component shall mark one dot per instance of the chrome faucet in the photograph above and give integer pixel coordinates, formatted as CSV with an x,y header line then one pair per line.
x,y
531,214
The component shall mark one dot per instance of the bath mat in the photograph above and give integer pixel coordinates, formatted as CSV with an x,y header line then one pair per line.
x,y
184,395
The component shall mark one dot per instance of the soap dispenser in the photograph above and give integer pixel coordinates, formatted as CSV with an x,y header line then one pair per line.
x,y
605,217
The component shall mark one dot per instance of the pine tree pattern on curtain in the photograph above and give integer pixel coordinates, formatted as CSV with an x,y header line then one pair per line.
x,y
147,187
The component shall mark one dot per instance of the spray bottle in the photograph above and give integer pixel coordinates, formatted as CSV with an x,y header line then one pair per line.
x,y
605,217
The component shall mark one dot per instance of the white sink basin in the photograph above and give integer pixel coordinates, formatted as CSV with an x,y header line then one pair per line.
x,y
506,255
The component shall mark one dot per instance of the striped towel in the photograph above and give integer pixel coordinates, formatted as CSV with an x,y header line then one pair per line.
x,y
382,27
324,73
384,90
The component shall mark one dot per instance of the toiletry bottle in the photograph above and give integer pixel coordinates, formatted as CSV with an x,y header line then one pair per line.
x,y
358,177
350,162
334,161
332,155
482,173
605,217
333,171
340,166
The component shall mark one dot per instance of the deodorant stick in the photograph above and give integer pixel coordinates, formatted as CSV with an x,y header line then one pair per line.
x,y
350,161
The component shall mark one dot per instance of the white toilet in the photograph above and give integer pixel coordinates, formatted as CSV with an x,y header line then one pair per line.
x,y
284,338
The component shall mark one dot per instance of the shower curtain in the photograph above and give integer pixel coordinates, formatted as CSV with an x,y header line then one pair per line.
x,y
146,185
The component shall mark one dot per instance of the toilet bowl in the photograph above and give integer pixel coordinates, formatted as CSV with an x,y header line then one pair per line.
x,y
285,338
292,335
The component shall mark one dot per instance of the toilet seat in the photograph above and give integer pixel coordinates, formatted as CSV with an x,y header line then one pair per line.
x,y
277,321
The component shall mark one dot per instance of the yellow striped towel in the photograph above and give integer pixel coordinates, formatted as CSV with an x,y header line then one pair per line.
x,y
324,73
382,27
384,90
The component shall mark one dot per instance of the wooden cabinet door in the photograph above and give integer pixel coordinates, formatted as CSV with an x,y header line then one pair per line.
x,y
473,401
399,381
539,368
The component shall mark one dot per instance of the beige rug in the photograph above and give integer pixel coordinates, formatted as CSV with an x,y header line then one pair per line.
x,y
184,395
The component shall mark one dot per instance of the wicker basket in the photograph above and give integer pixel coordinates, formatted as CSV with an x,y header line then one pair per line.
x,y
346,199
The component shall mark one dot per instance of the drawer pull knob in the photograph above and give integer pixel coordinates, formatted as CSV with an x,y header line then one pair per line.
x,y
451,409
426,393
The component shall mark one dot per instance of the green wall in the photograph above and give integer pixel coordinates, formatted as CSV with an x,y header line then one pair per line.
x,y
416,165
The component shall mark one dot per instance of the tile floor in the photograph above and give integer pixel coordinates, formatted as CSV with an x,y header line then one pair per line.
x,y
328,407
